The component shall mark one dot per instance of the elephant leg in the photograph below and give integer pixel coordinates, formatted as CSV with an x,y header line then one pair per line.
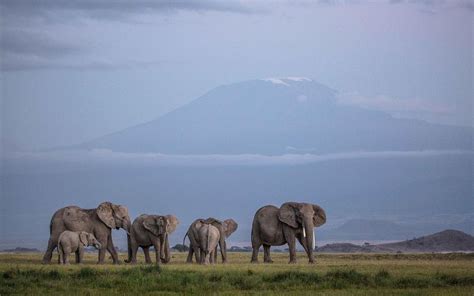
x,y
222,245
156,244
212,257
290,238
292,248
52,244
66,256
103,248
202,257
77,255
80,255
111,249
190,254
214,253
197,254
266,254
146,251
255,248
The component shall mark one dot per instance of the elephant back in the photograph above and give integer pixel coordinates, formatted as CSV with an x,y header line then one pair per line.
x,y
76,219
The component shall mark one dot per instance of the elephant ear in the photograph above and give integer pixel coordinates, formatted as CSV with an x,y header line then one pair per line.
x,y
84,238
287,214
173,223
120,211
154,224
230,227
106,214
319,217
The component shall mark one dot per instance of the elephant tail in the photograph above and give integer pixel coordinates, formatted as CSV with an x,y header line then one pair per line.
x,y
184,238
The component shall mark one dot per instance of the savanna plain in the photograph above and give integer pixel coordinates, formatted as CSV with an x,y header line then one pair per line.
x,y
333,274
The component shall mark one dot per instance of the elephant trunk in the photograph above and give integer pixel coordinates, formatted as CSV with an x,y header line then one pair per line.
x,y
309,233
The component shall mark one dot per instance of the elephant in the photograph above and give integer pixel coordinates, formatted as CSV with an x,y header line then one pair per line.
x,y
74,242
151,230
225,228
274,226
209,237
99,221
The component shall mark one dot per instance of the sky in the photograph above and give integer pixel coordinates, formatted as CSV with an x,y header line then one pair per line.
x,y
72,71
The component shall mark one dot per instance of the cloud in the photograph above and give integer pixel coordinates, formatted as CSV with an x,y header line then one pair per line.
x,y
108,157
393,105
28,49
432,5
49,9
28,42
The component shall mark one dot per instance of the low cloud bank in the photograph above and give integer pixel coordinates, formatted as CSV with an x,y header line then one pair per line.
x,y
108,157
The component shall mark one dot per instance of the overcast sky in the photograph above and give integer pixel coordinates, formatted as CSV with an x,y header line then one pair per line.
x,y
75,70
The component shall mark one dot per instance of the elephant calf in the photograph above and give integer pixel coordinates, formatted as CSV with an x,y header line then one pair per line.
x,y
74,242
209,237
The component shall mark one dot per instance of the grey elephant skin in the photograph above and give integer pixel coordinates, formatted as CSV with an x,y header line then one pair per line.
x,y
274,226
74,242
226,228
151,230
209,237
99,221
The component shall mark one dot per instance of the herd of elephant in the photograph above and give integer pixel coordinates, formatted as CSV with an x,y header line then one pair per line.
x,y
73,228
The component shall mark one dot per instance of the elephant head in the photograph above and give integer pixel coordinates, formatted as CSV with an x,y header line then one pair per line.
x,y
303,216
229,227
88,239
114,216
157,225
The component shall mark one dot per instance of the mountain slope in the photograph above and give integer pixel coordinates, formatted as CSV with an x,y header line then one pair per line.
x,y
275,117
444,241
447,240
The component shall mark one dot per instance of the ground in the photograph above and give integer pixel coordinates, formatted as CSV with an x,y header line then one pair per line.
x,y
335,274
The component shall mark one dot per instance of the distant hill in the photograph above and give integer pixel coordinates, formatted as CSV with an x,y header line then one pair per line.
x,y
444,241
21,250
277,116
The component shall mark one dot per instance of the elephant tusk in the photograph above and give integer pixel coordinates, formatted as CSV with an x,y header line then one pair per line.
x,y
314,240
304,232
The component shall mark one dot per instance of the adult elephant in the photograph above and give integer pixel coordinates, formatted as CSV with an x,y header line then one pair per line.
x,y
99,221
274,226
151,230
226,228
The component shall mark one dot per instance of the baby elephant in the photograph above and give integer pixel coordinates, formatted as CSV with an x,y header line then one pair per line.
x,y
209,237
74,242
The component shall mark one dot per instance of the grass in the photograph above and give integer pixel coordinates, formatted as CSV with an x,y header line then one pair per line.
x,y
344,274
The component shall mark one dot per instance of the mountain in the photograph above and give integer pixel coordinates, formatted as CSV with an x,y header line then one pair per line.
x,y
444,241
277,116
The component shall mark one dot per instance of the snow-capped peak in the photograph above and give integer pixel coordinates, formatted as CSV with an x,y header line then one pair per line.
x,y
276,81
285,80
298,78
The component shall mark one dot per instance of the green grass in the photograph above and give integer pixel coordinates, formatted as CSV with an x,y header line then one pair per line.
x,y
343,274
